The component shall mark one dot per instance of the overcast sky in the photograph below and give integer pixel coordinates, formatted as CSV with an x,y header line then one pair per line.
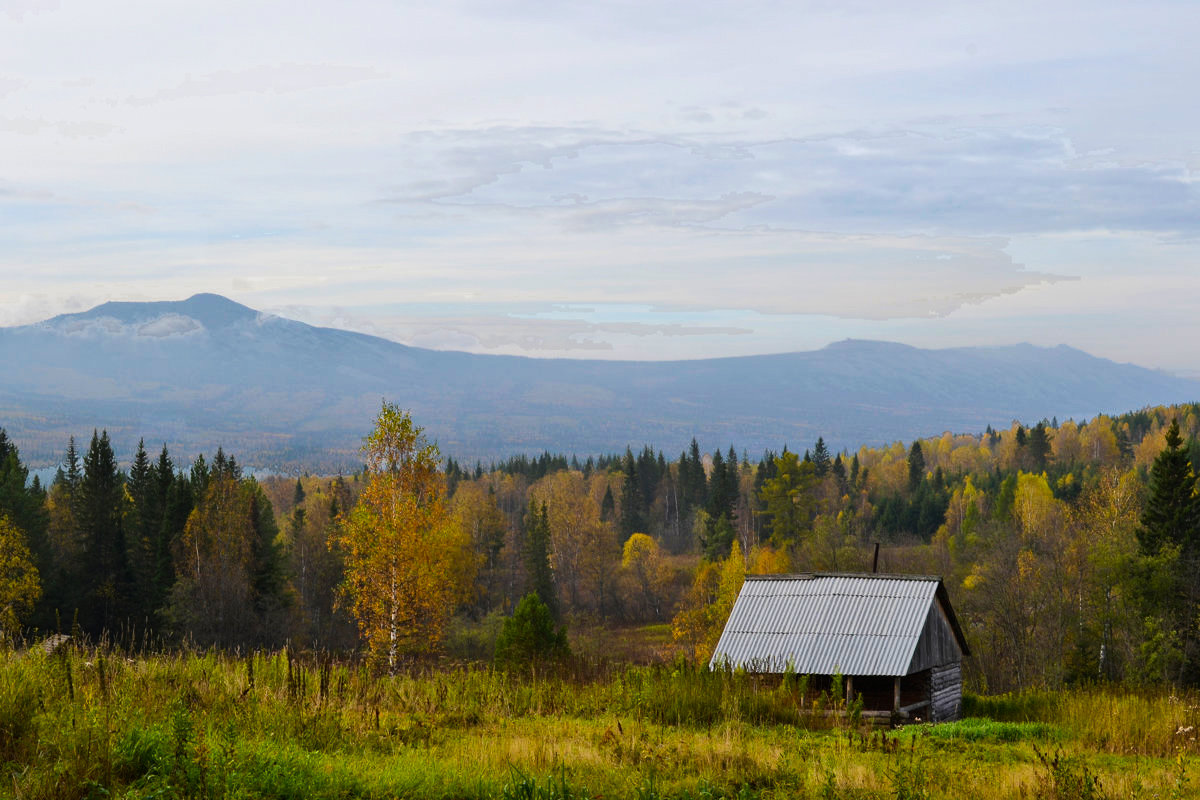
x,y
616,179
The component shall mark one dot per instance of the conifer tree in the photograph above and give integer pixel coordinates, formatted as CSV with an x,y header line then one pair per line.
x,y
916,466
1172,513
839,473
537,555
1039,447
632,517
105,578
1170,527
820,458
608,506
24,505
144,531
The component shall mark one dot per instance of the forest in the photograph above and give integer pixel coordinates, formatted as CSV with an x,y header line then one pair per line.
x,y
1076,539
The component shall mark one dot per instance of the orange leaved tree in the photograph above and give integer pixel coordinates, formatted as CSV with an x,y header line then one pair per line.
x,y
407,564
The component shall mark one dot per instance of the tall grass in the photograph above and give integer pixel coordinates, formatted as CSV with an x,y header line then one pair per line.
x,y
93,722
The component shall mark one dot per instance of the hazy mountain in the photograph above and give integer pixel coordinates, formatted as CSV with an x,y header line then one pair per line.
x,y
281,394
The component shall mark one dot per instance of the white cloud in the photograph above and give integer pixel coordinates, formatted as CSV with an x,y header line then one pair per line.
x,y
878,164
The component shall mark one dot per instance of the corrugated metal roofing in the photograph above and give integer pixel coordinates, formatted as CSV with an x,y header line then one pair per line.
x,y
822,624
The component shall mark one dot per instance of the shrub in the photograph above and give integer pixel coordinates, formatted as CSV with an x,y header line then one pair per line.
x,y
530,636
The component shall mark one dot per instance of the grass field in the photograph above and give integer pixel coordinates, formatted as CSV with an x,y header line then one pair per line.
x,y
92,723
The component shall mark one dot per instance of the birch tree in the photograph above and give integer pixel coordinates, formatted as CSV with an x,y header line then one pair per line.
x,y
407,564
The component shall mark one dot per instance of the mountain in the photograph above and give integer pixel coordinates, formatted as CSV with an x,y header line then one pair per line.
x,y
284,395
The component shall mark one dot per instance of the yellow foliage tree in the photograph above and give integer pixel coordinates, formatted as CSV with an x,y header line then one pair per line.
x,y
706,609
19,585
642,560
407,563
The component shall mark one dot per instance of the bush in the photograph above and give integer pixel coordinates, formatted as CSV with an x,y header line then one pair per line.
x,y
530,636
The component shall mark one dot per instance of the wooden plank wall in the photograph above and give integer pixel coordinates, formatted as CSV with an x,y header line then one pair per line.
x,y
937,645
945,688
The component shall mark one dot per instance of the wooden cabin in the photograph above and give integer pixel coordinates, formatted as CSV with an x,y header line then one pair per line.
x,y
894,638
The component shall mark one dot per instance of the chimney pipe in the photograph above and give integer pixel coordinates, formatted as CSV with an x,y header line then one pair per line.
x,y
875,559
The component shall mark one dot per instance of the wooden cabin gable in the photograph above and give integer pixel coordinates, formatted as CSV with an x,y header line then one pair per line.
x,y
937,645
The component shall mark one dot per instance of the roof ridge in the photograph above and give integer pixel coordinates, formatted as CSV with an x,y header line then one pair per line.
x,y
807,576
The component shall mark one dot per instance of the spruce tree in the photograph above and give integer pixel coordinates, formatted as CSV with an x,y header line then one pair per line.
x,y
1172,512
105,578
632,516
1171,522
142,536
916,466
73,473
608,506
1039,447
820,458
839,474
537,555
697,488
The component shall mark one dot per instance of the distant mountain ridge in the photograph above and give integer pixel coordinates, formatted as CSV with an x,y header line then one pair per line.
x,y
286,395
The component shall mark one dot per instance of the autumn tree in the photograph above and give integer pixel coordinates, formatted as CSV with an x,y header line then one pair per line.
x,y
583,548
407,565
643,563
230,580
19,585
706,608
480,519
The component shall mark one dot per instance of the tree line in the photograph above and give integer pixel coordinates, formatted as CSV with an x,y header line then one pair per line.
x,y
1076,540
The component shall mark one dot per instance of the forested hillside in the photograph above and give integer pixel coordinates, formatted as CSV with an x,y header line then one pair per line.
x,y
1076,540
286,397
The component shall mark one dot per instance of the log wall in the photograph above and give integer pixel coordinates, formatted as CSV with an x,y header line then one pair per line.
x,y
945,692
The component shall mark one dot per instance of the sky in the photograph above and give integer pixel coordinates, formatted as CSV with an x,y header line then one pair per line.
x,y
622,179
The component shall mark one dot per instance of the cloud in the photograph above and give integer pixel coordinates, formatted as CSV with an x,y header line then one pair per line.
x,y
860,162
520,331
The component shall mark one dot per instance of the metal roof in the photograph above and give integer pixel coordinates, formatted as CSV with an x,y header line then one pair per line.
x,y
826,623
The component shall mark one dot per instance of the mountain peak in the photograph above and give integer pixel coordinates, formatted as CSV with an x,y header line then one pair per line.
x,y
210,310
867,346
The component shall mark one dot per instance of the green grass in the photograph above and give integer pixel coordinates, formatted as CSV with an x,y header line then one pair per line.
x,y
93,723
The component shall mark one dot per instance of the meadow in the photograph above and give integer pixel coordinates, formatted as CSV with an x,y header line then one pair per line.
x,y
97,722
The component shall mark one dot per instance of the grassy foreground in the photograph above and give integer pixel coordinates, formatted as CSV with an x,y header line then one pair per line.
x,y
90,724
